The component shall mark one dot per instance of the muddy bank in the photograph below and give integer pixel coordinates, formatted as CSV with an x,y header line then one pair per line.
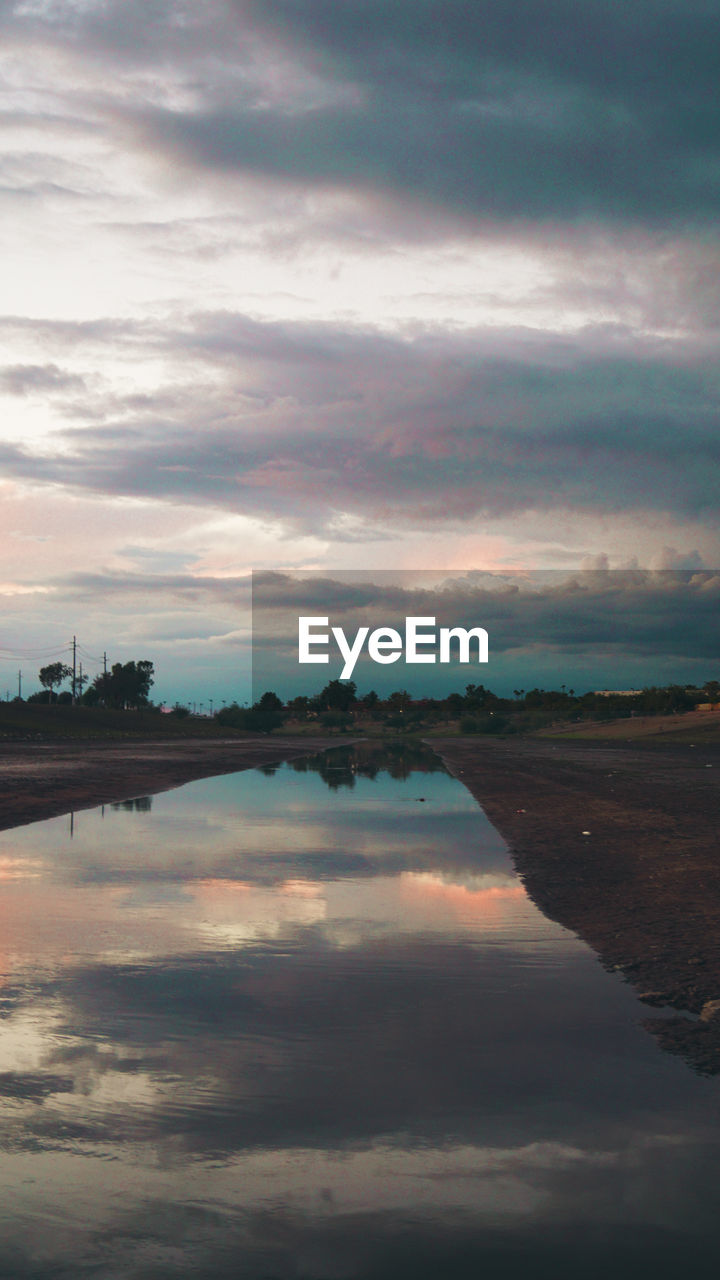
x,y
43,780
619,842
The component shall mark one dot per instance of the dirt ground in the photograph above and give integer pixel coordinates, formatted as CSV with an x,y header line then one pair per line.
x,y
691,726
619,842
43,780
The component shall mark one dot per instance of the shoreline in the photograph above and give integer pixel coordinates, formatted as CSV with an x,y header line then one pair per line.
x,y
47,780
643,887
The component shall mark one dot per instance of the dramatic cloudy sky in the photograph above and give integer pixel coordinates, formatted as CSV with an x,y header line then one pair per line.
x,y
346,283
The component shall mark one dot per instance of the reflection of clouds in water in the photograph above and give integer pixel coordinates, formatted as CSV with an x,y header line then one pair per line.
x,y
29,1033
51,927
232,827
245,915
482,908
539,1210
485,897
335,1054
350,843
19,868
195,874
297,1045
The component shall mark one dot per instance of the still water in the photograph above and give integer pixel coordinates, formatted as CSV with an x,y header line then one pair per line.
x,y
304,1024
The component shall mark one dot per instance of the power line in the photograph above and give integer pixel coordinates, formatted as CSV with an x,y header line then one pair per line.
x,y
6,652
43,654
94,657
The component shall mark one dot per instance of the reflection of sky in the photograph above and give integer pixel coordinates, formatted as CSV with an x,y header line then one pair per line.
x,y
280,1022
218,863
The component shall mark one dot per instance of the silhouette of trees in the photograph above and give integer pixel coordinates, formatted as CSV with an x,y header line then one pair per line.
x,y
126,685
339,695
266,714
262,717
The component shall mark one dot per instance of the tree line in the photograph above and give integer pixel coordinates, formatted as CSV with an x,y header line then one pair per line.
x,y
477,710
125,686
339,706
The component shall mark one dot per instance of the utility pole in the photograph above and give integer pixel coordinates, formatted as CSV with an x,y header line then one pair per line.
x,y
73,676
20,685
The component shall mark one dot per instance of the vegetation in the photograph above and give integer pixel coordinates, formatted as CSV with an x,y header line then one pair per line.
x,y
102,709
36,721
339,709
125,686
54,674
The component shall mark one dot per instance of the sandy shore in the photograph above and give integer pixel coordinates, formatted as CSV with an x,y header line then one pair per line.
x,y
43,780
642,887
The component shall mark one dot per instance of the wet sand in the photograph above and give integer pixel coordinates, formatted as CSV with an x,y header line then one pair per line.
x,y
619,843
43,780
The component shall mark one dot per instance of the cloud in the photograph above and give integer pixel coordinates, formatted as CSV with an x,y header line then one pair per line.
x,y
561,112
304,423
389,178
26,379
192,587
346,1022
655,613
572,110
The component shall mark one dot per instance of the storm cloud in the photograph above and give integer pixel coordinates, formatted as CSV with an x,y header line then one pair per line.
x,y
538,110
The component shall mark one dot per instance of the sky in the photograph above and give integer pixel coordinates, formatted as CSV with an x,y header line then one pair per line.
x,y
345,284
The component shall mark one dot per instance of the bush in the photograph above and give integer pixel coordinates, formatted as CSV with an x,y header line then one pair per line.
x,y
483,724
232,717
335,720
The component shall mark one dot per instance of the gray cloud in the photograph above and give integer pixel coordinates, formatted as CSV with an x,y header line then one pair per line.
x,y
65,334
624,612
346,1026
302,422
27,379
184,586
125,32
539,111
567,110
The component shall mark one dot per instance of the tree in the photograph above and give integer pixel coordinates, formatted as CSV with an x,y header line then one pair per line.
x,y
399,701
265,715
53,674
298,708
125,685
262,717
339,695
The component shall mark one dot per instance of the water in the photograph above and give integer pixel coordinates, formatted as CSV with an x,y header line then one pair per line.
x,y
304,1024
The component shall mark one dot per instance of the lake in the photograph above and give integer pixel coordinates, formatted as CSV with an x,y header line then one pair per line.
x,y
303,1023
